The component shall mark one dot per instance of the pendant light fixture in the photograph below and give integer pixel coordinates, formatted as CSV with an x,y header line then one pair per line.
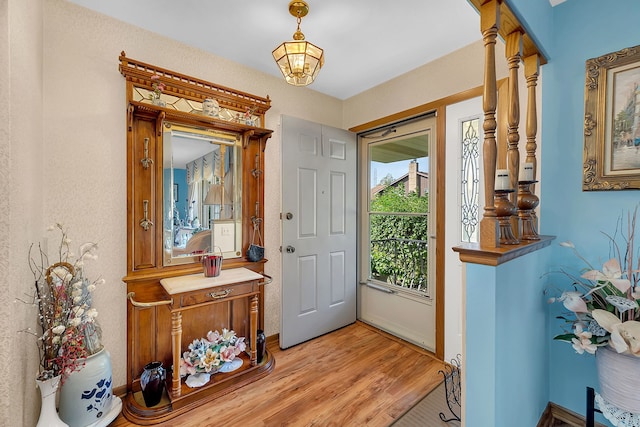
x,y
299,60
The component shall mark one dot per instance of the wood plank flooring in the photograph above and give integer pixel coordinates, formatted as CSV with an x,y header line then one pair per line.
x,y
356,376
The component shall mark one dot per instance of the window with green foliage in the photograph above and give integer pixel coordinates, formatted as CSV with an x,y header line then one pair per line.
x,y
398,210
398,236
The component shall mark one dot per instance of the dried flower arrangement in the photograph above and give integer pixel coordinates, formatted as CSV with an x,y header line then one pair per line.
x,y
69,331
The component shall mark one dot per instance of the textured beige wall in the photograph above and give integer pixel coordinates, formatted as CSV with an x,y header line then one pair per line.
x,y
451,74
82,165
7,331
67,158
21,165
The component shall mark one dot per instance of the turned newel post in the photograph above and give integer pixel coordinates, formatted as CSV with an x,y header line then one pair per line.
x,y
489,22
176,344
513,54
253,329
531,70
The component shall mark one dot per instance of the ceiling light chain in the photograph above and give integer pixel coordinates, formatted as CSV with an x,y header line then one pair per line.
x,y
299,60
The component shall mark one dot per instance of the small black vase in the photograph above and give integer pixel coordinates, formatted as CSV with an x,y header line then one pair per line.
x,y
152,383
261,343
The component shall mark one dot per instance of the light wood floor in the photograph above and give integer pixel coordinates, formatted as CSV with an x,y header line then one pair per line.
x,y
356,376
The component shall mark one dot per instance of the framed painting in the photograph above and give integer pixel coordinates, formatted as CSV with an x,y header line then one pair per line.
x,y
612,122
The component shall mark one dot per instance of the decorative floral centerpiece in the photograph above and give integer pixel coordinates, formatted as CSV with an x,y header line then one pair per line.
x,y
207,355
603,304
158,87
63,295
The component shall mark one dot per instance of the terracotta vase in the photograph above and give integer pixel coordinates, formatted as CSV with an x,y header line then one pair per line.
x,y
48,414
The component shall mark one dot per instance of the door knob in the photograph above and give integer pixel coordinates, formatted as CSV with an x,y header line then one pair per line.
x,y
289,215
290,249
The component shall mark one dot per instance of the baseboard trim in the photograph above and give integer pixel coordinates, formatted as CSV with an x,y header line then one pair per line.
x,y
555,414
271,339
120,391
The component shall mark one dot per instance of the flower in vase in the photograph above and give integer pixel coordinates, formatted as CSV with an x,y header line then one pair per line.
x,y
602,304
63,295
210,353
158,87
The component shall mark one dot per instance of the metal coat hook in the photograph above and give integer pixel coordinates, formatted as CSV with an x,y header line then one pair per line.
x,y
256,171
256,221
146,160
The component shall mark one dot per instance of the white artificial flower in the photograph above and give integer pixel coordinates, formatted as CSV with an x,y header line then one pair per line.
x,y
617,341
629,332
611,272
582,345
92,312
77,284
76,293
582,342
58,330
77,299
56,340
573,301
77,311
75,321
91,288
60,272
605,319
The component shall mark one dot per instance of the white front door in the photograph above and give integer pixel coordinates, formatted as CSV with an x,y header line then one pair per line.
x,y
397,255
318,230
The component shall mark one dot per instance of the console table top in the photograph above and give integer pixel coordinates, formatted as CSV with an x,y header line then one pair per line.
x,y
195,282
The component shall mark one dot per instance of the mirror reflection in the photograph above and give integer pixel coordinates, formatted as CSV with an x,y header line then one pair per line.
x,y
201,193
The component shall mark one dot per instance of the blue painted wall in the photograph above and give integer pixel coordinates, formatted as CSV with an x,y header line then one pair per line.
x,y
582,30
180,178
506,343
512,372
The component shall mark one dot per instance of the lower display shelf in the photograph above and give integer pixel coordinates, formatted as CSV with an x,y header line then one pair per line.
x,y
135,410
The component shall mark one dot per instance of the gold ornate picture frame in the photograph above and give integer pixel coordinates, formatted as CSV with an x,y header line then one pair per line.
x,y
612,122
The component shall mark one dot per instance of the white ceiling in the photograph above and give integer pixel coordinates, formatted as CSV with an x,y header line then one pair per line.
x,y
366,42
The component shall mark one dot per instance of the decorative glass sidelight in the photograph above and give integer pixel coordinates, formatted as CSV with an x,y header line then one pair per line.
x,y
470,180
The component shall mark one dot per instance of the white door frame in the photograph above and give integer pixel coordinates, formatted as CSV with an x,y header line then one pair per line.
x,y
404,313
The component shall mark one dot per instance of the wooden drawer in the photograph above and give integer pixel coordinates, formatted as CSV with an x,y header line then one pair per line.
x,y
218,293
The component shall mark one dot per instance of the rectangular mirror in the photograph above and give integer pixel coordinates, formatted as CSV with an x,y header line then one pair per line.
x,y
202,193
